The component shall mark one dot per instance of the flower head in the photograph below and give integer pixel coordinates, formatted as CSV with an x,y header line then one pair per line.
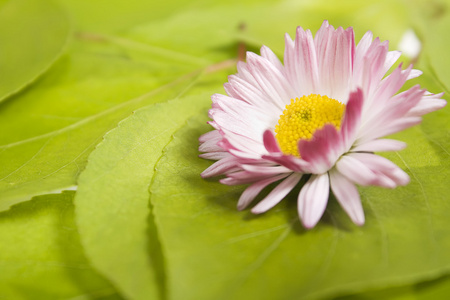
x,y
322,113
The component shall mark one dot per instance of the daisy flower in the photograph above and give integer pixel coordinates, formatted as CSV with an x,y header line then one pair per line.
x,y
322,114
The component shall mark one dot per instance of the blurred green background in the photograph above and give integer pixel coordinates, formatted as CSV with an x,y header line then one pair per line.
x,y
101,106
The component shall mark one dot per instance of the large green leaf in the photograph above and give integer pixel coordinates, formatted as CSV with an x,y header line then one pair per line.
x,y
33,34
51,129
437,42
432,23
214,252
41,255
108,16
435,289
433,128
112,199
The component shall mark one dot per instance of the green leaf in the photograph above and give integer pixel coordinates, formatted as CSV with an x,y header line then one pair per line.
x,y
33,35
112,198
436,45
41,256
51,129
435,289
108,16
215,252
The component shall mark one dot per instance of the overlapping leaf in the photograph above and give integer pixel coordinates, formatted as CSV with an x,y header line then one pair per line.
x,y
112,199
214,252
41,255
50,130
33,35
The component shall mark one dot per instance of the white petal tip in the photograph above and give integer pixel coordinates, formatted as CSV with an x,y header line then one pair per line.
x,y
359,222
402,146
402,177
241,207
257,211
405,181
358,218
309,223
308,226
441,103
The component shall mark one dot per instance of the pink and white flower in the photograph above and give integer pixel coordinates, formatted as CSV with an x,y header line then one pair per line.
x,y
251,145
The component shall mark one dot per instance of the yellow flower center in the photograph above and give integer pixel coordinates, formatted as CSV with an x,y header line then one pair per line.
x,y
303,117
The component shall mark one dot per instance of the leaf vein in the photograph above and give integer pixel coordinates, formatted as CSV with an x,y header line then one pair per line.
x,y
28,161
427,202
100,114
245,274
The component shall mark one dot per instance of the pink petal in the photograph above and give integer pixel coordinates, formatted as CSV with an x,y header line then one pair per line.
x,y
361,172
380,146
244,155
352,119
383,166
291,162
238,126
268,54
246,177
215,155
313,199
388,108
428,103
327,144
358,63
243,177
414,74
270,80
242,109
348,197
391,58
322,35
388,87
289,56
390,114
232,113
322,150
242,143
252,191
214,134
244,73
301,63
220,167
265,169
212,144
390,128
372,68
325,43
356,171
270,142
361,50
241,89
277,194
335,55
225,144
